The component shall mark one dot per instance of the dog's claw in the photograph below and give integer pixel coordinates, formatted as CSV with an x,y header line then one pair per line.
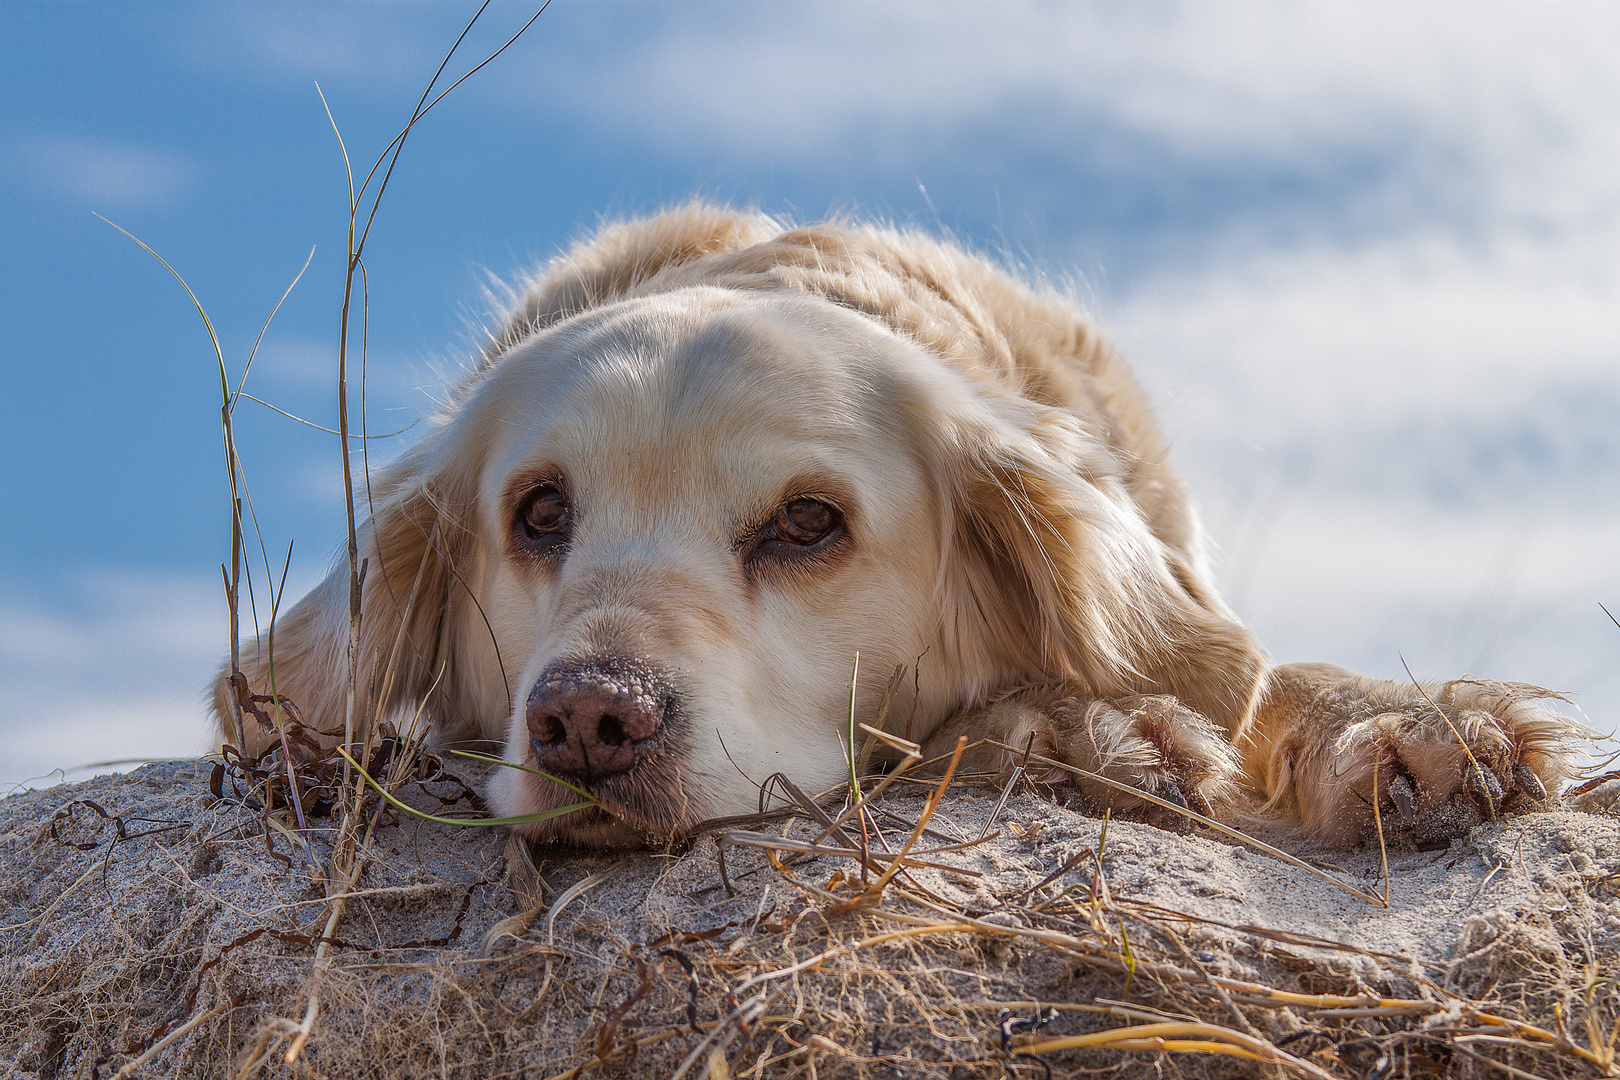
x,y
1169,819
1529,783
1483,782
1404,796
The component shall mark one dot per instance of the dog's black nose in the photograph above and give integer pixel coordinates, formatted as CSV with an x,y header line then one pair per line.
x,y
594,719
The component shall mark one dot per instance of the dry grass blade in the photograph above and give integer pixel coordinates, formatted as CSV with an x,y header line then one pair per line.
x,y
722,1034
1463,1045
1007,790
1383,850
1184,1038
171,1038
778,843
233,461
928,812
323,427
347,857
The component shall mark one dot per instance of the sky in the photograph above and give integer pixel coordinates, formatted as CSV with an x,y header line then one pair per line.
x,y
1365,258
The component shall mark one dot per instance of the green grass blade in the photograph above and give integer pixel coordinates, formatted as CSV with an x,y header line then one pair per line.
x,y
219,353
524,768
520,819
247,367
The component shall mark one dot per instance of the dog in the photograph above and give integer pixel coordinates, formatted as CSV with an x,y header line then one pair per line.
x,y
708,458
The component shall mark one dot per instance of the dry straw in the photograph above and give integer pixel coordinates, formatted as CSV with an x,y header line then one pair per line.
x,y
886,935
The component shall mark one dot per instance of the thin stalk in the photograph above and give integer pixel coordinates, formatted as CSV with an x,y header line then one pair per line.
x,y
849,748
340,882
233,462
287,759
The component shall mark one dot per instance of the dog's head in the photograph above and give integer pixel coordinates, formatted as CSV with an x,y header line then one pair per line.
x,y
648,539
696,507
693,510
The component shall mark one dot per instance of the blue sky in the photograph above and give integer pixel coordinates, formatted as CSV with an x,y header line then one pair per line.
x,y
1367,260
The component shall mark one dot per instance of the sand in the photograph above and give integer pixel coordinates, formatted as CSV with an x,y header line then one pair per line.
x,y
112,945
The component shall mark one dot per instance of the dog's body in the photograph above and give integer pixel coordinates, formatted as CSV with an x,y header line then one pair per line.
x,y
708,460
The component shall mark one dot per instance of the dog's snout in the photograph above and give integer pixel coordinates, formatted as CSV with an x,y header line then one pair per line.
x,y
595,719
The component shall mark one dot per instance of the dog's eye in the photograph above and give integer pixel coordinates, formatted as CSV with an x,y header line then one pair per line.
x,y
803,532
546,514
804,522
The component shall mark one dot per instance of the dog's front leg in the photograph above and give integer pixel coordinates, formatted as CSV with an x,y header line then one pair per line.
x,y
1150,743
1438,758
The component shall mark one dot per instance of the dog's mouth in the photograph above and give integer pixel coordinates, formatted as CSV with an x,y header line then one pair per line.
x,y
644,806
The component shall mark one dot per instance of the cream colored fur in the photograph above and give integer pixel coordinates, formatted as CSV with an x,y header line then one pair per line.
x,y
1016,534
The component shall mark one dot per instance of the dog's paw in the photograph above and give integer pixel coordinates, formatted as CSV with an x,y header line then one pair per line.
x,y
1436,761
1149,744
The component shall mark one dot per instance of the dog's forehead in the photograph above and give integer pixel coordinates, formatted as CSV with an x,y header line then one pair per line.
x,y
699,389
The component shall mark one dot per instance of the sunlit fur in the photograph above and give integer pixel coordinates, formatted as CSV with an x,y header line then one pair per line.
x,y
1016,536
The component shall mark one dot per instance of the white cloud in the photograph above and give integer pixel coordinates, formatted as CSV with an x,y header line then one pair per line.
x,y
1406,449
1207,78
110,666
1504,116
1407,446
105,174
1325,342
113,666
1509,109
299,365
1366,582
90,736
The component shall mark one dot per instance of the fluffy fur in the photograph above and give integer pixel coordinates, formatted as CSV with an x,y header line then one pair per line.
x,y
596,556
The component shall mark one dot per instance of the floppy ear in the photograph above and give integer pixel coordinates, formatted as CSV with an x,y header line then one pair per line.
x,y
1053,568
421,641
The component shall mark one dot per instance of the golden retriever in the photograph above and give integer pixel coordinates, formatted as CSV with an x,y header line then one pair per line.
x,y
709,458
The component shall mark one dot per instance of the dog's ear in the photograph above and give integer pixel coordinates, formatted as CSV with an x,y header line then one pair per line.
x,y
1053,570
421,640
